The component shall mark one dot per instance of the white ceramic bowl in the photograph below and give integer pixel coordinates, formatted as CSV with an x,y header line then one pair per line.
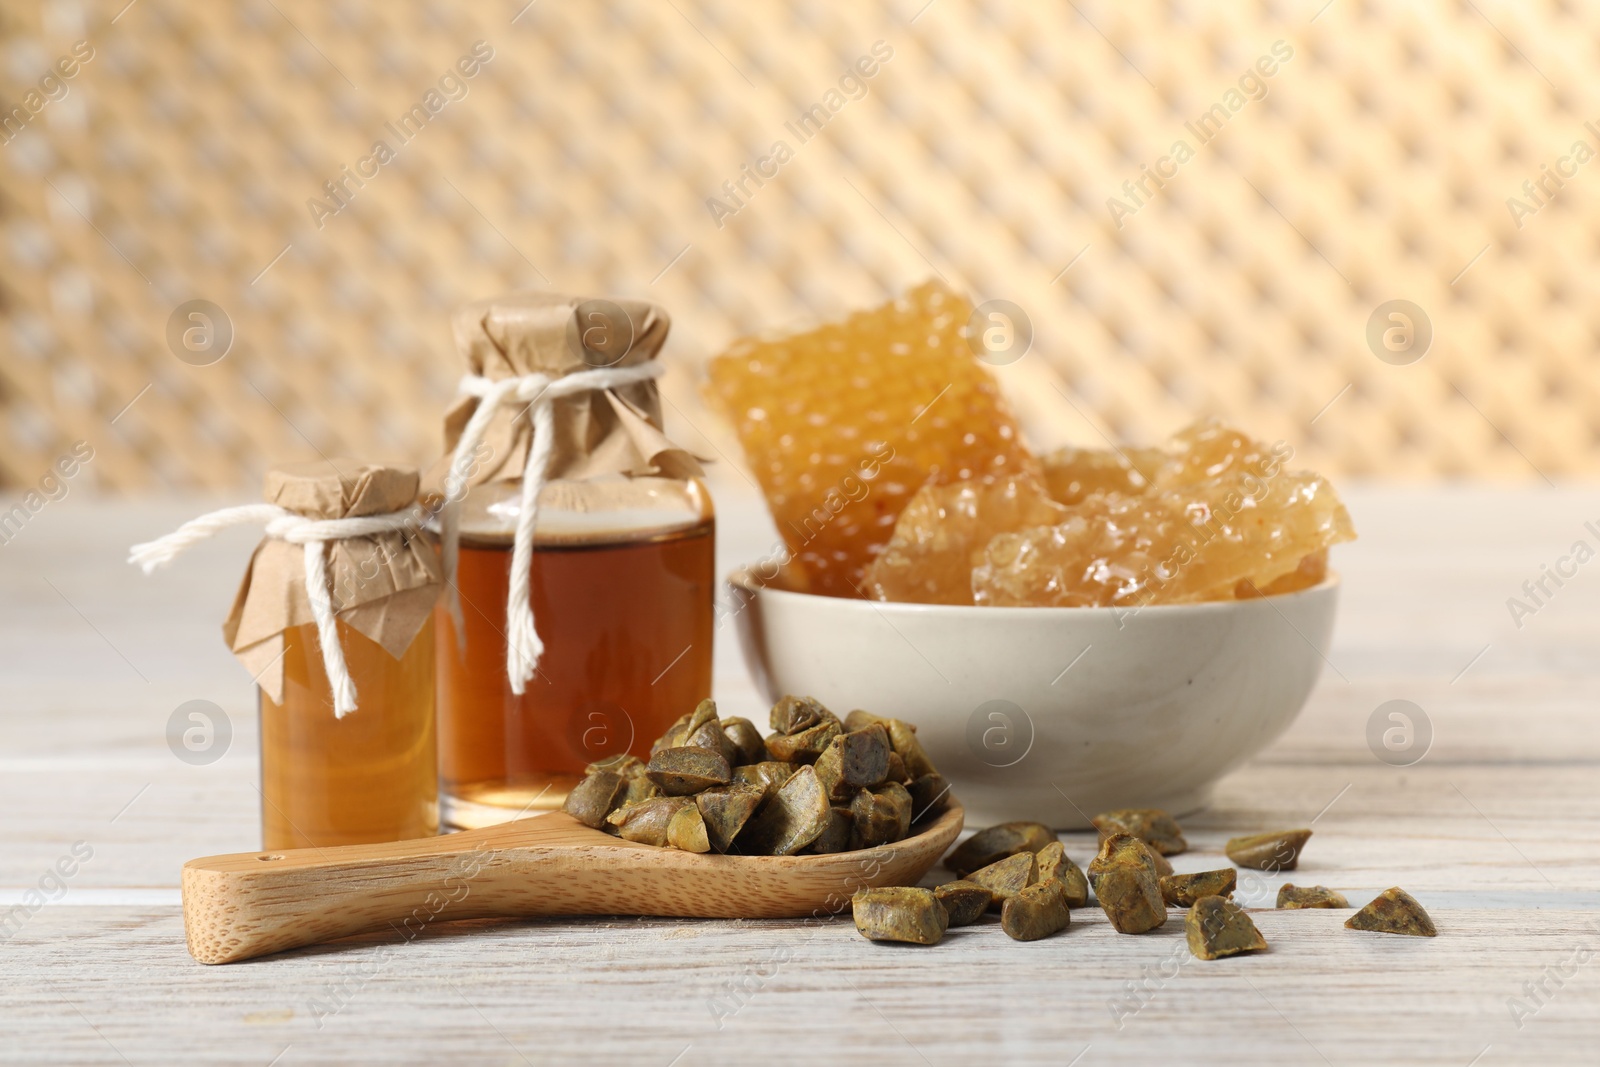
x,y
1053,714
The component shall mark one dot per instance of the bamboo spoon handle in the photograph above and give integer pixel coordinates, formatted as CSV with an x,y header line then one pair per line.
x,y
252,903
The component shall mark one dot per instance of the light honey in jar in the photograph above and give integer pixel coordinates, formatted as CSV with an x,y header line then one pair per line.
x,y
369,776
333,620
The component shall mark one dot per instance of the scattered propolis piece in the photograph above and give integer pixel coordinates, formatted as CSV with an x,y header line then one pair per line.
x,y
1126,885
1008,877
855,760
792,714
930,795
1292,896
843,423
900,805
1394,911
796,815
899,913
745,739
929,559
768,775
686,726
1275,851
965,902
835,837
1036,912
1182,890
914,762
1162,865
1074,886
686,830
681,772
637,790
709,736
1054,864
646,822
996,843
1151,825
592,799
1051,861
879,816
623,765
1216,927
804,746
725,810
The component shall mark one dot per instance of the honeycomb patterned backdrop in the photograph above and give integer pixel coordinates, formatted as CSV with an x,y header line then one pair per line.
x,y
1199,208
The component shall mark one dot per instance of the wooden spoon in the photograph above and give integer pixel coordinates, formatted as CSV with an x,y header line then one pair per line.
x,y
251,903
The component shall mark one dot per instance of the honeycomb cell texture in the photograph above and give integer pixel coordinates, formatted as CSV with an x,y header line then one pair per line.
x,y
844,423
943,531
1246,527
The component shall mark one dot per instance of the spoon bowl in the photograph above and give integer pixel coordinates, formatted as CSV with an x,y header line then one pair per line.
x,y
248,904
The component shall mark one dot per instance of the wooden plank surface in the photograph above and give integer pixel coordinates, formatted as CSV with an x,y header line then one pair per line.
x,y
1497,831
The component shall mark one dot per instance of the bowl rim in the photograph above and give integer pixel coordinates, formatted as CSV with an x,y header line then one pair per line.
x,y
743,578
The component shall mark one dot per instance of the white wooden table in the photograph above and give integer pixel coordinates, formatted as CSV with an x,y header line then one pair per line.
x,y
1496,830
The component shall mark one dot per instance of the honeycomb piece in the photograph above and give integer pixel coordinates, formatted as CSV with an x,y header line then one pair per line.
x,y
1071,474
1311,571
1167,546
1211,449
929,559
1201,451
844,423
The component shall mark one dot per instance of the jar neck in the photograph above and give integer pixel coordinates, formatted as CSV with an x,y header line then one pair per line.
x,y
587,512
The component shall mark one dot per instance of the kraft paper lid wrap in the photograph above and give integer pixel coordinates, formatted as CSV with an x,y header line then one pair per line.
x,y
596,434
384,586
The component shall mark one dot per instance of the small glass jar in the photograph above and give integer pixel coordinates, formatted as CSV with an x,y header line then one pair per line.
x,y
623,599
367,777
343,587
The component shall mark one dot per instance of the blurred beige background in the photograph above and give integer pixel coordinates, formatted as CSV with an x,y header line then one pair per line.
x,y
1339,156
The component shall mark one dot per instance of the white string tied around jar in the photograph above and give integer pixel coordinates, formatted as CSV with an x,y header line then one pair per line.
x,y
314,534
539,392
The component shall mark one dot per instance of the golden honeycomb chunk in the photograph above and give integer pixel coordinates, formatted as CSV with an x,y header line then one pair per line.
x,y
842,424
929,559
1071,474
1168,546
1211,515
1211,448
1311,571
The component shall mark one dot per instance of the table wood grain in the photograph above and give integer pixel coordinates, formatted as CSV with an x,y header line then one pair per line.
x,y
1496,830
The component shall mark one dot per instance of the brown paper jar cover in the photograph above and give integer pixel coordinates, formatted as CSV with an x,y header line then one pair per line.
x,y
602,439
384,585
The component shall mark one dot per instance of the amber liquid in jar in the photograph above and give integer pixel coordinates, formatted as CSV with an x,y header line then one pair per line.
x,y
371,776
626,621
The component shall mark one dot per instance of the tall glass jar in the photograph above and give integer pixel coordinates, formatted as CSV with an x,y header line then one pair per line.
x,y
578,549
623,599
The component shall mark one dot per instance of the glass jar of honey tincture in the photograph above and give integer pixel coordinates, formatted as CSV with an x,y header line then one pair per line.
x,y
579,545
334,621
